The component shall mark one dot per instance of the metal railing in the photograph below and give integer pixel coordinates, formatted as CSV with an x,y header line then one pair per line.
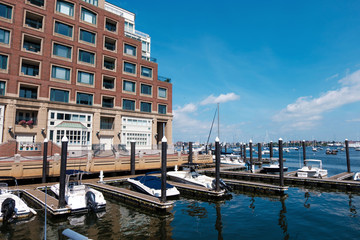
x,y
164,79
29,146
150,59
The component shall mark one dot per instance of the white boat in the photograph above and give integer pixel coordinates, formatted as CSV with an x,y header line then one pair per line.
x,y
356,176
286,150
313,168
78,196
314,149
273,168
231,159
12,206
152,186
357,149
193,177
265,152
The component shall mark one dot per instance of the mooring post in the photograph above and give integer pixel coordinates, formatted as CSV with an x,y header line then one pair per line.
x,y
244,147
271,150
251,156
163,168
304,151
347,155
183,147
281,162
259,152
190,152
64,146
241,151
225,149
44,170
132,157
217,164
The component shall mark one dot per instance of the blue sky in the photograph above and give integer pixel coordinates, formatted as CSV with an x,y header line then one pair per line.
x,y
288,69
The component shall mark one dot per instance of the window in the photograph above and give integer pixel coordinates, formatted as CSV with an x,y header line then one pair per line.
x,y
62,51
130,50
108,102
30,68
57,95
86,78
108,83
63,29
39,3
3,62
60,73
2,88
110,25
129,68
106,123
34,21
28,92
110,44
145,107
27,116
129,27
146,72
109,63
32,44
64,7
129,86
84,99
145,46
146,89
88,16
4,36
87,36
5,11
93,2
162,109
128,104
86,57
162,92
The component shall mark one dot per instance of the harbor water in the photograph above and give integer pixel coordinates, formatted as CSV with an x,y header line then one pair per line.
x,y
302,213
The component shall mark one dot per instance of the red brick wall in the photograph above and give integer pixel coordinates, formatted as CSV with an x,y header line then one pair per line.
x,y
9,149
44,82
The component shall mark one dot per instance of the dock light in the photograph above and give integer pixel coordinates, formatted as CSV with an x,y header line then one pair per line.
x,y
97,133
10,129
43,131
119,134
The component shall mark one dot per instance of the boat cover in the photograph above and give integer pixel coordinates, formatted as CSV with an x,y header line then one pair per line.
x,y
151,182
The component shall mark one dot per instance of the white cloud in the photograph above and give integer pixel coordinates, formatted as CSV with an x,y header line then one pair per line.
x,y
222,98
305,112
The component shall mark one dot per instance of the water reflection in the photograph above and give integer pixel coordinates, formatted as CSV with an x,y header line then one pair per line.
x,y
194,210
218,223
282,218
352,207
252,204
307,196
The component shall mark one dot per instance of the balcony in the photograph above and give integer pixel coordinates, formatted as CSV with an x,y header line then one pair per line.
x,y
164,79
150,59
137,35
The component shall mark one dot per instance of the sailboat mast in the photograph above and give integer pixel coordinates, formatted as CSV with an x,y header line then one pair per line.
x,y
218,120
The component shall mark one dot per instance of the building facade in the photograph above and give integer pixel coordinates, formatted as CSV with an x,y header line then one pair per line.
x,y
79,68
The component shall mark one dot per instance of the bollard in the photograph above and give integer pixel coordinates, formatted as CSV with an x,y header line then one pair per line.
x,y
44,170
259,152
271,150
251,156
347,155
64,145
132,157
304,151
163,168
190,153
217,164
281,162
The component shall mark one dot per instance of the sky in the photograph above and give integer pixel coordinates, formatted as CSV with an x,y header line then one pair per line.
x,y
278,69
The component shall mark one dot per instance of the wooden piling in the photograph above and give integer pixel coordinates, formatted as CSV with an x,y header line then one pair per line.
x,y
217,164
251,155
64,146
281,163
304,152
132,158
163,169
271,150
347,155
190,152
259,152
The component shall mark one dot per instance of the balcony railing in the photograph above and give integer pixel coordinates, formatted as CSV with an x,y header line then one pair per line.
x,y
164,79
151,59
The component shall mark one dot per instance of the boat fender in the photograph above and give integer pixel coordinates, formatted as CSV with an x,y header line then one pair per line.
x,y
8,209
90,201
224,186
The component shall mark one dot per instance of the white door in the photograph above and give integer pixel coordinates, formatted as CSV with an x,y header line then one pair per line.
x,y
107,141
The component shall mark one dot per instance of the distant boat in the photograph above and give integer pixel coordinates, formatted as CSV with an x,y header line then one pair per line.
x,y
357,149
312,171
152,185
272,168
314,149
232,159
286,150
331,152
356,176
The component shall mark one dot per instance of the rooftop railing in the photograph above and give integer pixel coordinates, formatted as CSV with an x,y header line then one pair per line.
x,y
164,79
151,59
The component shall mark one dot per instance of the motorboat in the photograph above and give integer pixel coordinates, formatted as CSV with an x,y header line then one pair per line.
x,y
152,185
356,176
189,175
313,168
272,168
266,151
12,206
331,152
232,159
314,149
357,149
286,150
78,196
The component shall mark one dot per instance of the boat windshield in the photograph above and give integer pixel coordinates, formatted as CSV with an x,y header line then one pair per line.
x,y
4,188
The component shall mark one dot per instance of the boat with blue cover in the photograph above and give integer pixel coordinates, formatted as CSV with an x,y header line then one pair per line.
x,y
152,185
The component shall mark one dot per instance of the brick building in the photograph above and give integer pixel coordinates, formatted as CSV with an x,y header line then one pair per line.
x,y
79,68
